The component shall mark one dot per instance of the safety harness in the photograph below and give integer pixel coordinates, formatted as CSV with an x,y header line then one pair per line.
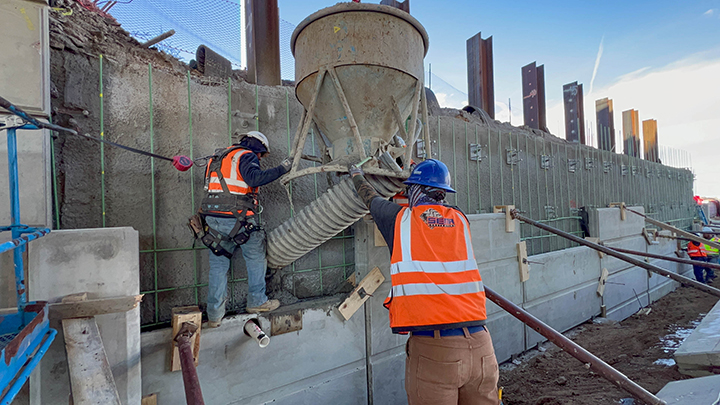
x,y
225,201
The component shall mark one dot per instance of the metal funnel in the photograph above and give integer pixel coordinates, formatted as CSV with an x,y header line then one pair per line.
x,y
359,74
377,55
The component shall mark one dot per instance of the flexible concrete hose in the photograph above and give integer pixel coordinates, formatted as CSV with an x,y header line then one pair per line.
x,y
324,218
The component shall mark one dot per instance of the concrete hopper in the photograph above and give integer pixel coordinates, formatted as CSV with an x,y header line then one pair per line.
x,y
359,74
376,53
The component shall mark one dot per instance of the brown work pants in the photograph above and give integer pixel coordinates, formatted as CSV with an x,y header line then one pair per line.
x,y
457,370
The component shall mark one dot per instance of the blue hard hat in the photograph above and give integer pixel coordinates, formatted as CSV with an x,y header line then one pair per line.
x,y
431,173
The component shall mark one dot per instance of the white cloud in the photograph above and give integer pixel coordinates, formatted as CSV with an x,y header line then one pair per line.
x,y
682,97
710,12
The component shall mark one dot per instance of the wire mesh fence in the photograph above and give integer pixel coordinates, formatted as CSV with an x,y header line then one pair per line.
x,y
217,24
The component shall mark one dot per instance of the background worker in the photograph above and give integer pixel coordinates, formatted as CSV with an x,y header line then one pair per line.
x,y
437,294
697,252
229,210
712,253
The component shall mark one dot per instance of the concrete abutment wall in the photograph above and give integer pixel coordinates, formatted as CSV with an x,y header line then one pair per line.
x,y
540,174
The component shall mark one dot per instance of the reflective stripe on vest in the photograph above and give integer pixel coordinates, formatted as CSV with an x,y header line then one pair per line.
x,y
434,274
231,173
696,250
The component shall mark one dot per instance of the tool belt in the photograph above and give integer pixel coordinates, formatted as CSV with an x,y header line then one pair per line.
x,y
239,235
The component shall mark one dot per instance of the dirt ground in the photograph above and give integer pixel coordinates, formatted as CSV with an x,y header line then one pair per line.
x,y
640,347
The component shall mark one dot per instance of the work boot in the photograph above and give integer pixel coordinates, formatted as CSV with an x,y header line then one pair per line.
x,y
267,306
214,324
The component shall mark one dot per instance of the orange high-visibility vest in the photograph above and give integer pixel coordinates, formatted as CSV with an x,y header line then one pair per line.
x,y
231,174
435,279
696,249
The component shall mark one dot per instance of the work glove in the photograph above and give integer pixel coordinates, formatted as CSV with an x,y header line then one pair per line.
x,y
286,164
354,170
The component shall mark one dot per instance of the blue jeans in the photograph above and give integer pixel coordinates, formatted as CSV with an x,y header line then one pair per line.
x,y
254,253
699,270
710,272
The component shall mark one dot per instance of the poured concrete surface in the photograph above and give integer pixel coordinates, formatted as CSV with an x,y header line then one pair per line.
x,y
103,263
699,354
695,391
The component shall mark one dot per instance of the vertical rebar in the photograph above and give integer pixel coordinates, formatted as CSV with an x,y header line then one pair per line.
x,y
490,176
102,144
229,116
320,269
56,201
152,186
289,147
502,180
467,170
527,163
454,154
537,186
192,183
530,204
547,198
477,167
512,169
438,134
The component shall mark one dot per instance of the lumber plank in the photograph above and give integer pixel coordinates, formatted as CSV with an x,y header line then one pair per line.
x,y
181,315
83,309
601,283
367,286
91,378
523,265
150,399
596,240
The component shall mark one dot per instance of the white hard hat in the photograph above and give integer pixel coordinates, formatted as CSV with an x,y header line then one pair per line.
x,y
257,135
707,229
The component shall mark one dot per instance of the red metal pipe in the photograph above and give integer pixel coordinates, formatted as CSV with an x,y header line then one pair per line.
x,y
647,266
669,258
193,393
590,360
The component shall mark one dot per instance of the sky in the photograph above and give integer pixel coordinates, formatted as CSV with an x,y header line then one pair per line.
x,y
659,57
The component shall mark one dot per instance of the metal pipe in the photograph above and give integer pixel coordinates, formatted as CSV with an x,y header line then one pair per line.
x,y
13,182
23,239
591,361
193,393
671,228
611,252
158,38
669,258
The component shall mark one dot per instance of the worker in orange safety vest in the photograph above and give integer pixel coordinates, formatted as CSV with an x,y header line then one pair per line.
x,y
437,294
697,252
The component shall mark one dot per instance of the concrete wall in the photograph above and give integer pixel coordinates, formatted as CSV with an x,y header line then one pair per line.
x,y
194,115
331,361
167,261
104,263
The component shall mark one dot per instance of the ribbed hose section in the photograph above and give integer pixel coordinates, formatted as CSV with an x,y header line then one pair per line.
x,y
324,218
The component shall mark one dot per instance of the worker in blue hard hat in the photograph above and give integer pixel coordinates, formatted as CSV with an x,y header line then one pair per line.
x,y
437,294
713,253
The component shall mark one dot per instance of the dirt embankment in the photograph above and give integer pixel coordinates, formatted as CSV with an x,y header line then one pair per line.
x,y
641,347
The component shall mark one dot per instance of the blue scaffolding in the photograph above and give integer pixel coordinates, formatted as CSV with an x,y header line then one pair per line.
x,y
25,335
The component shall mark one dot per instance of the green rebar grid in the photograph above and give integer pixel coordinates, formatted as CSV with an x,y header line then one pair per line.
x,y
56,201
